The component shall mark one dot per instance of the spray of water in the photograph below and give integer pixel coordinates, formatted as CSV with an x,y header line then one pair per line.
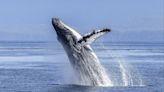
x,y
128,79
90,70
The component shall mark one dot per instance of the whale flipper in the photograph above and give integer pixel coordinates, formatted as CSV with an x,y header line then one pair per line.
x,y
91,37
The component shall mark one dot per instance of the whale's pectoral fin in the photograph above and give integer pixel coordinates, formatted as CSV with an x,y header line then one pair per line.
x,y
91,37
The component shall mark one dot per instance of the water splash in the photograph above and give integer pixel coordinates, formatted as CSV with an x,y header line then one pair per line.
x,y
91,72
88,68
129,77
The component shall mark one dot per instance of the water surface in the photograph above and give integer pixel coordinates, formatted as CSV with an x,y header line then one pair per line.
x,y
44,67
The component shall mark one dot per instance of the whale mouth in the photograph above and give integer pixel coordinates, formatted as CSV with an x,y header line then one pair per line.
x,y
61,30
64,32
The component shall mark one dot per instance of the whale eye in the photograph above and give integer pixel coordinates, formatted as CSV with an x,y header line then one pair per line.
x,y
86,48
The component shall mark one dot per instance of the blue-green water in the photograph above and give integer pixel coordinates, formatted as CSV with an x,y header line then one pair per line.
x,y
44,67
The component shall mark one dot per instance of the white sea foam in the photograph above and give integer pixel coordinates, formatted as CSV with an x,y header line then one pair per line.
x,y
128,79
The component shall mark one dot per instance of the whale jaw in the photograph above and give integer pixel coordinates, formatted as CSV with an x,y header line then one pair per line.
x,y
65,33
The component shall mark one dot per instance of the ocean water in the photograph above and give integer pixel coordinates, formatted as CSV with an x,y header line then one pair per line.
x,y
44,67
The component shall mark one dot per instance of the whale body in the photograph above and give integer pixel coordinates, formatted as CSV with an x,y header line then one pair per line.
x,y
81,56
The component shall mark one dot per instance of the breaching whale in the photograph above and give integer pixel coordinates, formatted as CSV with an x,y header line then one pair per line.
x,y
82,58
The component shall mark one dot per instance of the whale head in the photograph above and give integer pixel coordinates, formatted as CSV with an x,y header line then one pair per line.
x,y
65,34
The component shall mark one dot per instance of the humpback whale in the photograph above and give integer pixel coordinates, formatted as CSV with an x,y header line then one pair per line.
x,y
80,54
